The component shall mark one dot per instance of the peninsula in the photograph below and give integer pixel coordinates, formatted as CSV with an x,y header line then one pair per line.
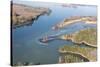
x,y
75,19
71,54
87,36
23,14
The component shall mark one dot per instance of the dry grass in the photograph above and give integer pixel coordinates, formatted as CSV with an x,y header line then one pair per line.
x,y
89,53
22,13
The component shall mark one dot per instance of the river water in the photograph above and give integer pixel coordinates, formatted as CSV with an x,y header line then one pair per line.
x,y
26,46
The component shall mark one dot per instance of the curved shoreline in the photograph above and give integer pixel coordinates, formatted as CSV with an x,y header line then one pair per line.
x,y
75,53
91,60
24,15
75,19
87,55
80,37
95,46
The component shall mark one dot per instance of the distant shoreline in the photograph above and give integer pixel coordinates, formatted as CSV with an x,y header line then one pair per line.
x,y
75,19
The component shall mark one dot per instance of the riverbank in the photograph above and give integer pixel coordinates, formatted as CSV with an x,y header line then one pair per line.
x,y
85,52
23,14
88,37
75,19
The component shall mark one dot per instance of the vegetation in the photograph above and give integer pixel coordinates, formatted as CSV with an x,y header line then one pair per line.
x,y
72,58
87,52
75,19
22,14
89,36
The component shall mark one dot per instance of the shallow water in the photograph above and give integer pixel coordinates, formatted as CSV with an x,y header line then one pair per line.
x,y
27,48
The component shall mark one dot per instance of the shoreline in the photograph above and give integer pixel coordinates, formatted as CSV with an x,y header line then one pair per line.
x,y
75,19
75,38
84,52
23,14
76,53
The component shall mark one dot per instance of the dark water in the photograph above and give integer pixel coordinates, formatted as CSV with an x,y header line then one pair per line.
x,y
27,48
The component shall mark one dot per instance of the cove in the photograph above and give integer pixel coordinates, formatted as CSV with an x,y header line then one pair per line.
x,y
26,45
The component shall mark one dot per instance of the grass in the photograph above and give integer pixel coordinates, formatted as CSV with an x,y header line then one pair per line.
x,y
22,14
72,58
89,36
87,52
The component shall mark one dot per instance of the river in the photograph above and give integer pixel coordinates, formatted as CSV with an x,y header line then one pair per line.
x,y
26,46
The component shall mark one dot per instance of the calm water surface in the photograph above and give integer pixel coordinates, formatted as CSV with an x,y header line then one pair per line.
x,y
27,48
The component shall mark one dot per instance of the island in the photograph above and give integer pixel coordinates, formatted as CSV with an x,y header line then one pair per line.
x,y
75,19
22,14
